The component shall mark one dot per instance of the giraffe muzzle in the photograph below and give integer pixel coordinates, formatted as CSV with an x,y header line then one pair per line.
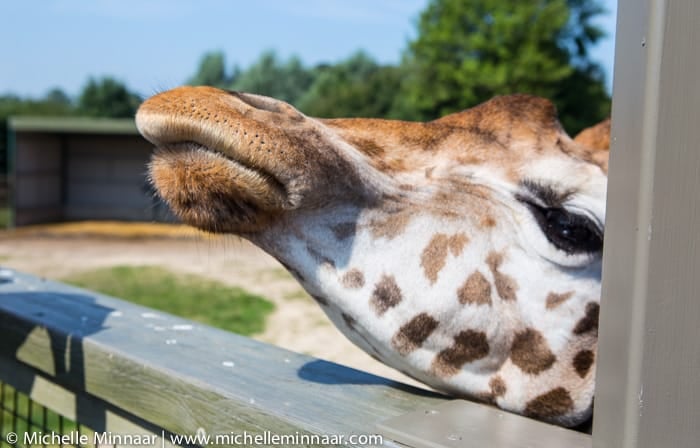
x,y
231,162
217,163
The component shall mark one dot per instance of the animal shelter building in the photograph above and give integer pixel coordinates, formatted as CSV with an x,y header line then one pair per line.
x,y
67,169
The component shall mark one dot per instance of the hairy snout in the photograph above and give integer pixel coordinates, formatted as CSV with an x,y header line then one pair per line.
x,y
229,161
245,128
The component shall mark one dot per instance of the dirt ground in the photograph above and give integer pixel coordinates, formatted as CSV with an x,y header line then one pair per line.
x,y
297,323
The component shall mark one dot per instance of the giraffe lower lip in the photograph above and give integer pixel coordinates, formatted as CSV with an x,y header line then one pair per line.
x,y
236,161
213,191
193,147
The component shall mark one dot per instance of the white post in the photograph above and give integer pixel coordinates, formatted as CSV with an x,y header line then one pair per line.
x,y
648,378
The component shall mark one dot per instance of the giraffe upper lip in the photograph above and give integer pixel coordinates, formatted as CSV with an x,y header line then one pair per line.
x,y
162,133
166,129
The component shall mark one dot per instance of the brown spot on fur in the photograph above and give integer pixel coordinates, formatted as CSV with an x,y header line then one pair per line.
x,y
457,243
447,199
412,334
583,362
378,156
434,256
390,225
386,295
505,284
552,404
476,290
469,346
531,352
344,230
443,205
390,164
488,222
353,279
498,386
368,147
429,139
554,299
589,322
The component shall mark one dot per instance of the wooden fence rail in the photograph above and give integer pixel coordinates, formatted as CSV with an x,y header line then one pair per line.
x,y
118,367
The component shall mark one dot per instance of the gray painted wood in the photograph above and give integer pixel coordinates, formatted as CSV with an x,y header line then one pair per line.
x,y
462,424
648,378
182,376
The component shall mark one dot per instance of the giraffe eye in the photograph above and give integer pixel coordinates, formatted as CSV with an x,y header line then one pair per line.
x,y
569,232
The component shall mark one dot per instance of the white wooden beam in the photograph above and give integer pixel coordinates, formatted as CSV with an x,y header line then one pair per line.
x,y
648,377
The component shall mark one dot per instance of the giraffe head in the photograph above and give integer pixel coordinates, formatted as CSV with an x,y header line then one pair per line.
x,y
464,252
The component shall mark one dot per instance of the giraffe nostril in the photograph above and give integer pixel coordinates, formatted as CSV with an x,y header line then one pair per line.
x,y
266,104
257,102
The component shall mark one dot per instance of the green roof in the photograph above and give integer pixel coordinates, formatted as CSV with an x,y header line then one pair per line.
x,y
73,125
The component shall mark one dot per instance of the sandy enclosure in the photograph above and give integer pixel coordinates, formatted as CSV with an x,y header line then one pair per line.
x,y
297,323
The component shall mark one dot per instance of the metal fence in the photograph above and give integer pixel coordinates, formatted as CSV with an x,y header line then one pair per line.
x,y
26,423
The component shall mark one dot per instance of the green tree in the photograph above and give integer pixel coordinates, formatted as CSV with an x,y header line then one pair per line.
x,y
286,81
107,97
468,51
355,87
212,71
57,96
54,104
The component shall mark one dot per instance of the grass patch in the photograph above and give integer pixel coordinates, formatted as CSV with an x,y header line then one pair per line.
x,y
186,295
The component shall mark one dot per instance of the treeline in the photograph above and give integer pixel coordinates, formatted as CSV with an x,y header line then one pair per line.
x,y
356,86
105,97
465,52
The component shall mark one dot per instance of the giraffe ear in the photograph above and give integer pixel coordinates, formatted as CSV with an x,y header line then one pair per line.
x,y
511,118
595,137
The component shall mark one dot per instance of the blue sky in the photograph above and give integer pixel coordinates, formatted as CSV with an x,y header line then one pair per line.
x,y
152,45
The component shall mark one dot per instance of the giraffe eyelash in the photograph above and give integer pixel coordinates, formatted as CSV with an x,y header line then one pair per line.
x,y
544,195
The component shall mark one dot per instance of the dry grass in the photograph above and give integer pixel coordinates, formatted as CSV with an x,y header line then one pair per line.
x,y
113,229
